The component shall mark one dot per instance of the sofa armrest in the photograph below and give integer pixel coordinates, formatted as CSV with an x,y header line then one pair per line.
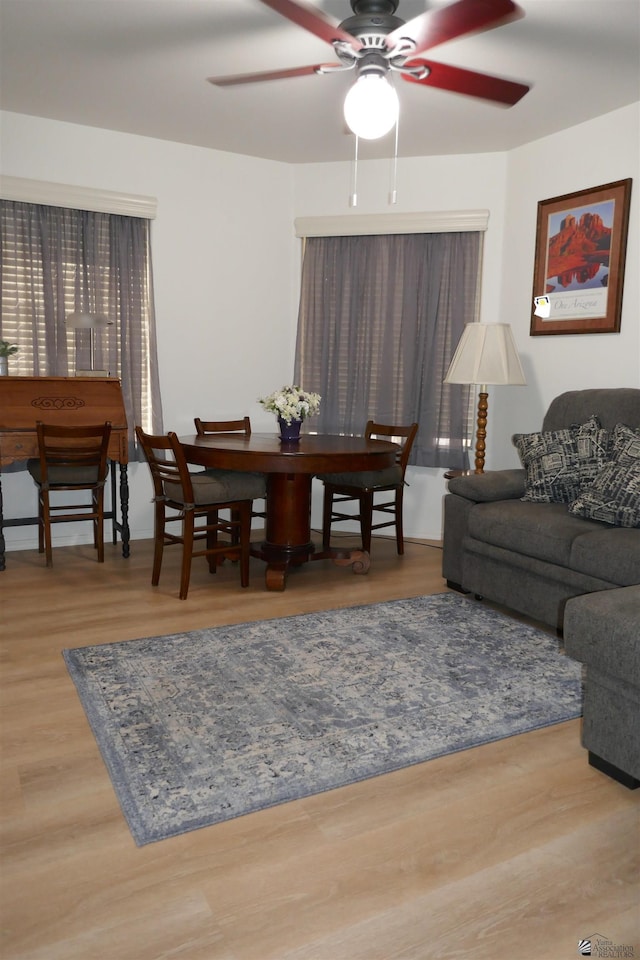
x,y
493,485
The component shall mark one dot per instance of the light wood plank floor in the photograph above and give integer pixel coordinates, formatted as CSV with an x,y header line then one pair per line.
x,y
511,851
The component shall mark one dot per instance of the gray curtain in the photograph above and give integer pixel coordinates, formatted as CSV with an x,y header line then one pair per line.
x,y
56,261
379,320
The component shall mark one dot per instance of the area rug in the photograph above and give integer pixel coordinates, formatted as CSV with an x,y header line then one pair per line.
x,y
200,727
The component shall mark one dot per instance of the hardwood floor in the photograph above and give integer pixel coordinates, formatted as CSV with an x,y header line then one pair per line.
x,y
511,851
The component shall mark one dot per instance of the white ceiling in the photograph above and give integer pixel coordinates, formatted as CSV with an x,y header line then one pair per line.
x,y
140,66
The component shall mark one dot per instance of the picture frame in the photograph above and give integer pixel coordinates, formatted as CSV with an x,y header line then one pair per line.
x,y
578,274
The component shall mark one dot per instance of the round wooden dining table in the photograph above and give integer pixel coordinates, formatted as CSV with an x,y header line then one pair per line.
x,y
289,469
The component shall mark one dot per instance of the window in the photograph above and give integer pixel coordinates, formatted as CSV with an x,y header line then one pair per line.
x,y
58,261
379,320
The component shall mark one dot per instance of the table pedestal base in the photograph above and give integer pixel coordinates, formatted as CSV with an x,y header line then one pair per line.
x,y
278,564
288,532
358,560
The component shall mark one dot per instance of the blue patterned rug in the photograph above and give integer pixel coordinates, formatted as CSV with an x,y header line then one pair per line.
x,y
200,727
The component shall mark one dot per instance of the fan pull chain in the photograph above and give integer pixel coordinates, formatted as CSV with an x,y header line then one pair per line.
x,y
353,198
393,195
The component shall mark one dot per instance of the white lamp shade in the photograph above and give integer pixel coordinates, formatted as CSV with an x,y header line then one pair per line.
x,y
486,354
371,106
79,320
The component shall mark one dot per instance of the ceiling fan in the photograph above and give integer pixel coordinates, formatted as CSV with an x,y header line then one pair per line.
x,y
374,43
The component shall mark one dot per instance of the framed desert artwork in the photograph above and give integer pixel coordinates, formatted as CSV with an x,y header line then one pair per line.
x,y
578,275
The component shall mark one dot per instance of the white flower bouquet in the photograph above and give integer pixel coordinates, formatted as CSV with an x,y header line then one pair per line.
x,y
291,403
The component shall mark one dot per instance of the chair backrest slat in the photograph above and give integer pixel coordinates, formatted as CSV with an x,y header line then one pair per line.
x,y
73,446
203,427
167,462
404,435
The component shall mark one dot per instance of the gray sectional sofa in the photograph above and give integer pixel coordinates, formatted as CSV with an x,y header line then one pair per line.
x,y
602,631
533,556
559,541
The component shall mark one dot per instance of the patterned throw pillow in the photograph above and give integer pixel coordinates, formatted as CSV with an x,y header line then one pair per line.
x,y
614,495
559,462
594,449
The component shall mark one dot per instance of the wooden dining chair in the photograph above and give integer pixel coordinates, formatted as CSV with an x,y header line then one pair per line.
x,y
71,459
243,426
364,487
203,427
197,495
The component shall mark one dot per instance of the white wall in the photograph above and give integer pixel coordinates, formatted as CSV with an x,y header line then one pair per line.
x,y
225,286
601,151
509,186
226,268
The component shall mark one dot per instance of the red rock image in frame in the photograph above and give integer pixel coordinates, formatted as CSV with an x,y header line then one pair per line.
x,y
579,263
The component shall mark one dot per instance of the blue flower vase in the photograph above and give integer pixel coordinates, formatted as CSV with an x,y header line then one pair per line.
x,y
289,432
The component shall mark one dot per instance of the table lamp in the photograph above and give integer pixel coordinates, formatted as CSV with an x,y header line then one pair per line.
x,y
486,354
79,320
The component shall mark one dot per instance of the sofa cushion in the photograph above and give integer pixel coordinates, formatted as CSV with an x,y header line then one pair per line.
x,y
611,405
558,463
601,630
614,495
611,553
492,485
545,531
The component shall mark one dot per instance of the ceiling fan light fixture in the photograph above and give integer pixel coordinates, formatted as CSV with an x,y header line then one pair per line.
x,y
371,106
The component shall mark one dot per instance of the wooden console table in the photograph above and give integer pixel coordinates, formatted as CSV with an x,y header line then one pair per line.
x,y
65,401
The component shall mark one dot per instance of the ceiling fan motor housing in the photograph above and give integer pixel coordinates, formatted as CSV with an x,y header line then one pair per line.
x,y
374,7
373,21
373,18
363,27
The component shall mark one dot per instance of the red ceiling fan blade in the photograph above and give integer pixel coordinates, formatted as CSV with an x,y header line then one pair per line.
x,y
314,20
269,75
468,82
446,23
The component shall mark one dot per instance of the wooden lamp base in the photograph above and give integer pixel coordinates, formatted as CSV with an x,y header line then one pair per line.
x,y
481,432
